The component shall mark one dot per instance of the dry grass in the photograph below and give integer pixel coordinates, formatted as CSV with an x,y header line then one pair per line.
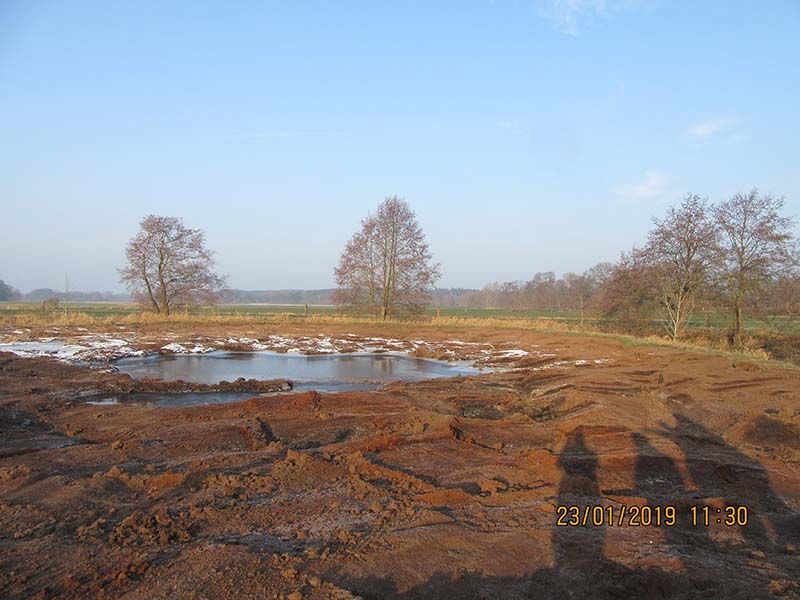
x,y
36,319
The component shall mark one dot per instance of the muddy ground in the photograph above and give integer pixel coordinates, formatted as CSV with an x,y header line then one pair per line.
x,y
446,488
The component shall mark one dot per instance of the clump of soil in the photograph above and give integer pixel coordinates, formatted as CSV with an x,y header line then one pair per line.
x,y
257,386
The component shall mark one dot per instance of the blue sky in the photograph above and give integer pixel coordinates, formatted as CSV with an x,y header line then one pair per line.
x,y
528,136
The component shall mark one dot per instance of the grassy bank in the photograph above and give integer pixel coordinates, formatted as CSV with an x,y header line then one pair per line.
x,y
760,344
699,321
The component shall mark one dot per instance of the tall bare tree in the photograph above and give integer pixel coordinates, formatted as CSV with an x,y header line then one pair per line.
x,y
757,246
682,248
579,289
627,295
786,296
386,267
169,265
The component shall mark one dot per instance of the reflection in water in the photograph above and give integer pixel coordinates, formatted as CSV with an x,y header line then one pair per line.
x,y
330,368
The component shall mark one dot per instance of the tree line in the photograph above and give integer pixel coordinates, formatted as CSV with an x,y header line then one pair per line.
x,y
738,255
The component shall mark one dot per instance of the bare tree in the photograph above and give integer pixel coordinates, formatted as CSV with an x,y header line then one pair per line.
x,y
387,267
8,293
579,289
757,246
169,265
682,248
596,277
786,296
778,304
627,294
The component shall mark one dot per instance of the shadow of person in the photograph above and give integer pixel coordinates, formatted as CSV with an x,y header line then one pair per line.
x,y
656,475
578,547
658,480
720,470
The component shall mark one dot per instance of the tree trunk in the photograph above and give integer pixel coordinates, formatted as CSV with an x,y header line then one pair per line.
x,y
164,298
736,329
163,284
676,326
149,288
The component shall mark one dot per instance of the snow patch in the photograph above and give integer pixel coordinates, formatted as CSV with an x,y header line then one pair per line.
x,y
103,402
94,349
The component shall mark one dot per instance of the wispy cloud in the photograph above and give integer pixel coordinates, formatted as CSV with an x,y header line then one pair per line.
x,y
712,127
285,134
513,126
568,15
652,186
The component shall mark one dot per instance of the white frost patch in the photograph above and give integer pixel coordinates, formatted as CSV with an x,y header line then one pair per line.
x,y
104,402
516,353
98,348
326,346
576,363
483,354
174,348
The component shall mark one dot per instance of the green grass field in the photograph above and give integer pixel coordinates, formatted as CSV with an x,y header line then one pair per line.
x,y
715,320
718,320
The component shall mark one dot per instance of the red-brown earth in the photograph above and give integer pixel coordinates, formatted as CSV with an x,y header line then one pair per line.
x,y
445,488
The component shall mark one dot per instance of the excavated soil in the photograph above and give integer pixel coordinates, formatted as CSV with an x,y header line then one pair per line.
x,y
446,488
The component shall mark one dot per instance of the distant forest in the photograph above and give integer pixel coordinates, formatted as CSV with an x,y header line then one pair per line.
x,y
446,298
11,294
